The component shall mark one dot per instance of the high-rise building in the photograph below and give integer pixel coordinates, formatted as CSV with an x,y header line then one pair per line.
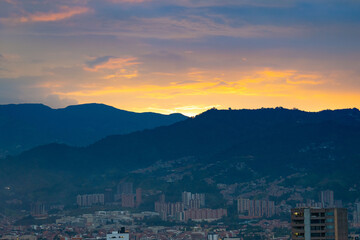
x,y
126,194
356,213
138,197
108,195
38,209
201,198
162,198
338,204
127,200
193,200
194,203
319,224
327,198
168,209
88,200
186,197
256,208
125,188
243,205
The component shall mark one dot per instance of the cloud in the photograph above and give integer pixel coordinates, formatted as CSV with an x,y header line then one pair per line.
x,y
31,89
110,63
97,61
10,57
254,3
128,1
210,3
189,27
65,12
207,82
8,65
55,101
21,89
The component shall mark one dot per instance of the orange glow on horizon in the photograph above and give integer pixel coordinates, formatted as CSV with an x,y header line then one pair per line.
x,y
256,89
137,55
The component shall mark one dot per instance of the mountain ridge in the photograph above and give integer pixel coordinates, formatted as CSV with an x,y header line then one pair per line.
x,y
227,146
24,126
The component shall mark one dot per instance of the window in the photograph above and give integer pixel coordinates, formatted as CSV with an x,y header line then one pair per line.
x,y
317,228
330,214
317,221
317,235
298,214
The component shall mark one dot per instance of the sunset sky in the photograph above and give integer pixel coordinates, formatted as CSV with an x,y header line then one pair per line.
x,y
181,55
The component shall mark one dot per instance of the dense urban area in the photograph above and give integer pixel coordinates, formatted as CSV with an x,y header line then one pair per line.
x,y
147,214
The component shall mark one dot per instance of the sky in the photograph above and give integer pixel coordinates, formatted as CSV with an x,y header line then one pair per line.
x,y
181,55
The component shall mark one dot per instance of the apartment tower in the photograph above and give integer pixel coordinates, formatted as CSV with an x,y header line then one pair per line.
x,y
319,224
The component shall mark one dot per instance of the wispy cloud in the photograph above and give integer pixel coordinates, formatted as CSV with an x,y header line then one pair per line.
x,y
128,1
267,82
64,12
110,63
254,3
195,27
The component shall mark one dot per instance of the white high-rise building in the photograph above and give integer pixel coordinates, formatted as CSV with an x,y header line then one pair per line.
x,y
199,198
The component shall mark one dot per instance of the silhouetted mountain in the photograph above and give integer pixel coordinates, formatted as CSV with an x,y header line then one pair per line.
x,y
25,126
225,145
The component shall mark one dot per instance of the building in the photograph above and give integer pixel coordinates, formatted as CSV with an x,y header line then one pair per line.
x,y
138,197
88,200
127,200
118,235
126,194
193,200
327,198
356,213
162,198
125,188
256,208
194,204
39,209
204,214
310,203
108,195
319,223
166,209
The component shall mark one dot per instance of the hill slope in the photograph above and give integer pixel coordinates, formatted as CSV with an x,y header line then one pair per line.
x,y
227,146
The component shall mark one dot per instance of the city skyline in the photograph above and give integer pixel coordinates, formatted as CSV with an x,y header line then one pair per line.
x,y
181,56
